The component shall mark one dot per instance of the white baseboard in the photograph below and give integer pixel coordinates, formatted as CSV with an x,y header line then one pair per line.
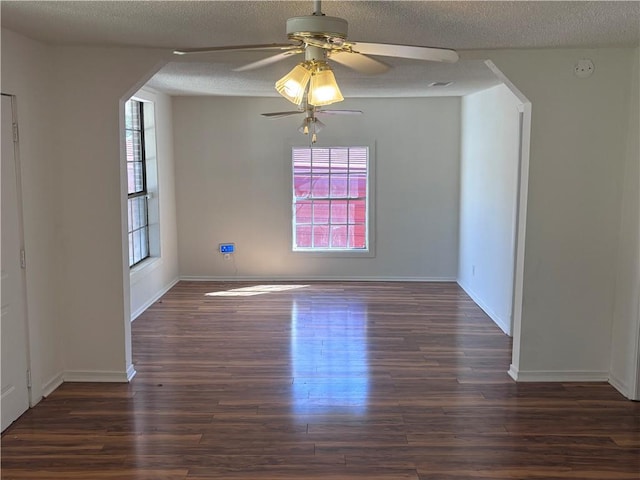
x,y
505,325
96,376
139,311
86,376
50,385
619,385
257,278
557,376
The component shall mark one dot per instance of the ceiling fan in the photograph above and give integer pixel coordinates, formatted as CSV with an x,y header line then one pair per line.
x,y
311,83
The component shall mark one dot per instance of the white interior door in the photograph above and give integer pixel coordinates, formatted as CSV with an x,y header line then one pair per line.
x,y
15,392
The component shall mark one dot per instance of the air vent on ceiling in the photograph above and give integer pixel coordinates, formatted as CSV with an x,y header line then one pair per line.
x,y
440,84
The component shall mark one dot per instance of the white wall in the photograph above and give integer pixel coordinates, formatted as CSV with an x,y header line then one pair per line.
x,y
74,208
91,84
626,318
489,158
578,153
70,115
26,71
233,185
158,274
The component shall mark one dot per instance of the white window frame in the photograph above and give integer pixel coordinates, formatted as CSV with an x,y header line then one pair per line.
x,y
138,197
370,207
153,203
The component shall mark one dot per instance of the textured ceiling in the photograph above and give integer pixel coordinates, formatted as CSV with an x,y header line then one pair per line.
x,y
461,25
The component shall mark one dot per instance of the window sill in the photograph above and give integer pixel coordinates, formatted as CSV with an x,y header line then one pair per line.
x,y
336,253
143,269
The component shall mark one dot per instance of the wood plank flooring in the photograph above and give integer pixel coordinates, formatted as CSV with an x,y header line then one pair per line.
x,y
375,381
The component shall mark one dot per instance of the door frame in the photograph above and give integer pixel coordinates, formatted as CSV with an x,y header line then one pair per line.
x,y
634,390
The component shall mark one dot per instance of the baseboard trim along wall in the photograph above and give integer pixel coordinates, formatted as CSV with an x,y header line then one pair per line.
x,y
557,376
619,385
153,299
97,376
189,278
86,376
54,382
505,325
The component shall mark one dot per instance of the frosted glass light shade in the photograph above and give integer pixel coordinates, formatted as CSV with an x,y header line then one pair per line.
x,y
324,89
293,85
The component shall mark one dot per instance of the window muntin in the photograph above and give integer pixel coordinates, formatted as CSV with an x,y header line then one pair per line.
x,y
138,212
330,198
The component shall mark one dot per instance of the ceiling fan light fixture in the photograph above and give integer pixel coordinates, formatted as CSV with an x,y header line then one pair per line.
x,y
294,84
323,89
304,128
311,125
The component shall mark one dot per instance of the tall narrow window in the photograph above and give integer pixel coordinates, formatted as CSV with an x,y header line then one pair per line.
x,y
330,199
137,183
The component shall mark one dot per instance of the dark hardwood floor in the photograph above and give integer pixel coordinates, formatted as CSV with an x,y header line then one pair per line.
x,y
329,381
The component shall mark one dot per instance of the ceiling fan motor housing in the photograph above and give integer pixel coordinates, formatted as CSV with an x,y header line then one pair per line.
x,y
317,26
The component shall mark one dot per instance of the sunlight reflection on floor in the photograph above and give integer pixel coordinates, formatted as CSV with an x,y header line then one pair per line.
x,y
254,290
329,358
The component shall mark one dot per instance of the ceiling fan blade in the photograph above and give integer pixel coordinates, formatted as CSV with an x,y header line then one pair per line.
x,y
231,48
338,112
267,61
405,51
359,63
281,114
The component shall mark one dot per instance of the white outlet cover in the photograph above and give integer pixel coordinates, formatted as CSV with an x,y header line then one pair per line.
x,y
584,68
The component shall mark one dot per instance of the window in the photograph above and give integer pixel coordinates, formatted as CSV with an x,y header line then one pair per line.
x,y
138,213
331,199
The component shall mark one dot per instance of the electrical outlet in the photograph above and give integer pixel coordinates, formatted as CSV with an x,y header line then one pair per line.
x,y
584,68
227,248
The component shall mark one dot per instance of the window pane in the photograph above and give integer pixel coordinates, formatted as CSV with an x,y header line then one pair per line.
x,y
357,236
142,202
357,186
144,243
302,185
320,211
358,159
339,160
339,186
131,262
321,236
320,160
303,236
135,114
137,250
320,186
130,219
136,146
131,178
338,211
138,178
304,212
135,213
357,211
339,236
129,145
128,114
